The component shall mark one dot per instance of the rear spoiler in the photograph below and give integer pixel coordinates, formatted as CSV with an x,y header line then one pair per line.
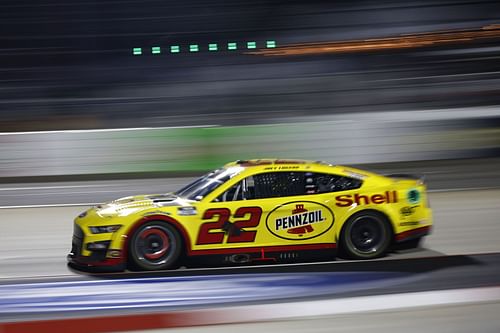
x,y
419,178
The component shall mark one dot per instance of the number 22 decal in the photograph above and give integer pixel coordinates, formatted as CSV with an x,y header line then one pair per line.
x,y
235,231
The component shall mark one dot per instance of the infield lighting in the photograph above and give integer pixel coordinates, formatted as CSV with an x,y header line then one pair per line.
x,y
212,47
270,44
155,50
251,45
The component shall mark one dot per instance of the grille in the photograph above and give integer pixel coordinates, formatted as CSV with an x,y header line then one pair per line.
x,y
76,246
77,231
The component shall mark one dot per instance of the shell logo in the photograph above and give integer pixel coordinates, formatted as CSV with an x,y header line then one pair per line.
x,y
299,220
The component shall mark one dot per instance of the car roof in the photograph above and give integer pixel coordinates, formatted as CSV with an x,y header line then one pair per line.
x,y
271,161
270,164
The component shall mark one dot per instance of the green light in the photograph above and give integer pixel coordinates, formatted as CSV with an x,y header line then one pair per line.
x,y
251,45
155,50
232,46
137,50
193,48
213,47
175,49
270,43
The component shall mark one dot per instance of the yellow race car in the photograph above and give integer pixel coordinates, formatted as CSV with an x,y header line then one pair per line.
x,y
256,211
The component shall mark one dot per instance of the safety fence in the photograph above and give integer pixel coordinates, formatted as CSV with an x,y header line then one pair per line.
x,y
355,138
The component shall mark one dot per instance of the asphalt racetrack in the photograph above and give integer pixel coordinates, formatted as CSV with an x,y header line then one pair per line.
x,y
462,252
34,241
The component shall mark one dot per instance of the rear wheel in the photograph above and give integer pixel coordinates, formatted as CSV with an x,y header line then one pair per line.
x,y
366,235
155,245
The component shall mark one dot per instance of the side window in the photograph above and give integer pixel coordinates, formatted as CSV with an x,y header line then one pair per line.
x,y
266,185
284,184
277,184
243,190
234,193
325,183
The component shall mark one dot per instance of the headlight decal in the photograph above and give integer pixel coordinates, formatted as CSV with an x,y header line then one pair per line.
x,y
105,229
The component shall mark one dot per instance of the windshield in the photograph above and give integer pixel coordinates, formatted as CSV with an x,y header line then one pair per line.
x,y
204,185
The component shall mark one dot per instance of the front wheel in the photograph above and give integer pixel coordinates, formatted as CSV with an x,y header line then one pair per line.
x,y
154,246
366,235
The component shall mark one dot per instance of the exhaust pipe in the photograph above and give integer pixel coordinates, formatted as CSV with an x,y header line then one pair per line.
x,y
241,258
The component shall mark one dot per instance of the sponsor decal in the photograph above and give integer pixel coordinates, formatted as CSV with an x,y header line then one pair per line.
x,y
408,210
283,167
299,220
300,216
409,223
413,196
347,200
186,211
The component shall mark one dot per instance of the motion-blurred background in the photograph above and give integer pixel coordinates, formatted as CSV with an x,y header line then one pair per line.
x,y
95,93
344,81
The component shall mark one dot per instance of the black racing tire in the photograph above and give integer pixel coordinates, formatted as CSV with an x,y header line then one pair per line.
x,y
365,235
155,245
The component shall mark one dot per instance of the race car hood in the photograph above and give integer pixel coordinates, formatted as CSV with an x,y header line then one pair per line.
x,y
133,204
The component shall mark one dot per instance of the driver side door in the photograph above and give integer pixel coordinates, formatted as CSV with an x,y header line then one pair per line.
x,y
231,221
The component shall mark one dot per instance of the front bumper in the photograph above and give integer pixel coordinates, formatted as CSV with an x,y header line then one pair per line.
x,y
97,261
90,264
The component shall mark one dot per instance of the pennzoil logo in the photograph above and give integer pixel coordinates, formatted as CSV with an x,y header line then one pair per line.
x,y
299,220
300,217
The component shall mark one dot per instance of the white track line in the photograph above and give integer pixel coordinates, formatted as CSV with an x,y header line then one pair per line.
x,y
50,205
364,304
461,189
51,187
106,130
275,311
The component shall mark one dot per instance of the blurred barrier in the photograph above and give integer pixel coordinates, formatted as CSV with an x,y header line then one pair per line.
x,y
173,293
251,313
355,138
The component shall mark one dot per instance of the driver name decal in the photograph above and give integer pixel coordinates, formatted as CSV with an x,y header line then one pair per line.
x,y
299,220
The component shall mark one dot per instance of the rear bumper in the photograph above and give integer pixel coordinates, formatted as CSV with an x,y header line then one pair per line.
x,y
413,234
90,264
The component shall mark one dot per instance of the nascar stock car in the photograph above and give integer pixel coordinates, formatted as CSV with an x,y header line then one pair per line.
x,y
264,210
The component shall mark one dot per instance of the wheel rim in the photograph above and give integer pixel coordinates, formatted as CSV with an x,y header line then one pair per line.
x,y
154,245
367,234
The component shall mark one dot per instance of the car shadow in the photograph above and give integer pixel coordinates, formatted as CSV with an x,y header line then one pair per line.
x,y
408,261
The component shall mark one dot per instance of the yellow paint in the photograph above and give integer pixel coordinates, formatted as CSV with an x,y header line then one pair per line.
x,y
386,195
